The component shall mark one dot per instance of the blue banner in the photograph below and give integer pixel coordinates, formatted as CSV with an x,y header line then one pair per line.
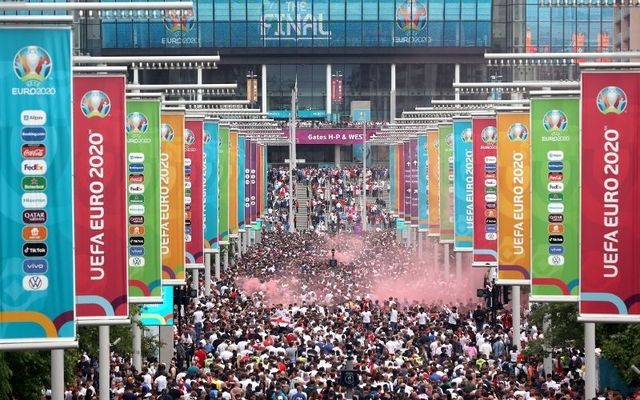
x,y
211,138
159,314
423,214
37,300
241,161
463,185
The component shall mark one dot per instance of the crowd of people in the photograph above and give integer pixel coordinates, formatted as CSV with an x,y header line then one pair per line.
x,y
284,320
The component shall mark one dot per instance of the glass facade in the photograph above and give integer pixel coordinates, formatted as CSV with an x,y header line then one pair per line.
x,y
310,23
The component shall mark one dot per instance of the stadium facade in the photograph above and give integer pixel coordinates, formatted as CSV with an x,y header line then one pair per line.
x,y
395,54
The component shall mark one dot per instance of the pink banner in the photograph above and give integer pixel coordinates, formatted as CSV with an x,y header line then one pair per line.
x,y
609,233
485,216
100,202
193,199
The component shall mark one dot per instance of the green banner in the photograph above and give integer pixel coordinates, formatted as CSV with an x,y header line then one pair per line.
x,y
143,161
223,179
555,181
445,136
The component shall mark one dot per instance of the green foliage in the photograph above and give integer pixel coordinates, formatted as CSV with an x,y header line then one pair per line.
x,y
623,350
34,364
564,329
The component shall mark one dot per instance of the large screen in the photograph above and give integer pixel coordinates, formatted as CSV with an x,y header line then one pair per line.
x,y
309,23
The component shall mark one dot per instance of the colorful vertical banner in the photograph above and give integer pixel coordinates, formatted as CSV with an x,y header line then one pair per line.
x,y
259,180
514,202
462,185
172,172
37,301
392,178
433,183
555,203
159,314
193,193
253,181
100,199
423,170
402,181
210,143
241,173
247,182
142,128
413,176
485,192
406,158
609,234
263,192
445,137
233,183
223,185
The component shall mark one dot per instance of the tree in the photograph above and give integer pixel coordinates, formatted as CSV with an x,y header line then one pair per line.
x,y
623,350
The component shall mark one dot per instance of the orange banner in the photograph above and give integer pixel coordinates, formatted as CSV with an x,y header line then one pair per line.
x,y
172,197
433,185
233,183
514,199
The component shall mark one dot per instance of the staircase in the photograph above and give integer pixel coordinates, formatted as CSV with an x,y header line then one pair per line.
x,y
302,216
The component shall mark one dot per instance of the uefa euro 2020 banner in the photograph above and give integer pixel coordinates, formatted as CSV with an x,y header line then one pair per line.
x,y
433,184
233,183
423,221
555,182
514,205
240,171
193,196
172,171
445,136
159,314
37,300
100,199
610,216
210,141
223,181
463,184
142,129
485,184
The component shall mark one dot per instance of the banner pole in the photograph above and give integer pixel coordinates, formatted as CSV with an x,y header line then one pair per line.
x,y
436,267
104,361
137,342
420,239
217,266
515,317
225,265
207,274
447,261
458,266
590,359
57,374
195,279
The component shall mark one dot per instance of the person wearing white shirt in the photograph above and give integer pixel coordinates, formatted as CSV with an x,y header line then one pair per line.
x,y
393,318
422,319
366,318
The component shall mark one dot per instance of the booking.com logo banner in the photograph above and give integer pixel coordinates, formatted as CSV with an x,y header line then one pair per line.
x,y
37,276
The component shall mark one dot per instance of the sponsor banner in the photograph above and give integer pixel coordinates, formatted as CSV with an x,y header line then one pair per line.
x,y
485,182
38,298
100,198
406,178
392,177
248,217
172,197
514,205
402,181
253,160
159,314
259,180
240,164
233,183
210,142
142,130
609,237
223,180
413,180
193,193
331,136
433,182
423,168
445,164
264,177
462,185
555,130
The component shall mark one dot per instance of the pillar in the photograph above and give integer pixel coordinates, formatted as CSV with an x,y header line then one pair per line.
x,y
420,240
57,374
447,261
104,365
216,271
137,342
263,81
392,106
515,317
590,359
457,80
458,266
199,82
225,265
165,334
336,155
436,262
207,274
327,105
195,278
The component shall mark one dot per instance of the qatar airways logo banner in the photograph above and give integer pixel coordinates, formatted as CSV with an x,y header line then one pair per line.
x,y
485,213
193,193
463,185
100,202
609,263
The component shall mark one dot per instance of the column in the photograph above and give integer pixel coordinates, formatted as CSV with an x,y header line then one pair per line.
x,y
165,334
104,364
216,255
199,82
137,342
57,374
458,266
264,88
225,265
207,274
420,240
447,261
336,155
515,317
457,80
195,278
328,98
590,359
392,106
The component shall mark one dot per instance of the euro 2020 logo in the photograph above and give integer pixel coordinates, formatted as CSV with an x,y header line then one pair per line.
x,y
489,135
167,132
518,133
449,140
612,100
177,21
467,135
137,123
555,121
411,16
32,65
95,103
189,137
206,137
